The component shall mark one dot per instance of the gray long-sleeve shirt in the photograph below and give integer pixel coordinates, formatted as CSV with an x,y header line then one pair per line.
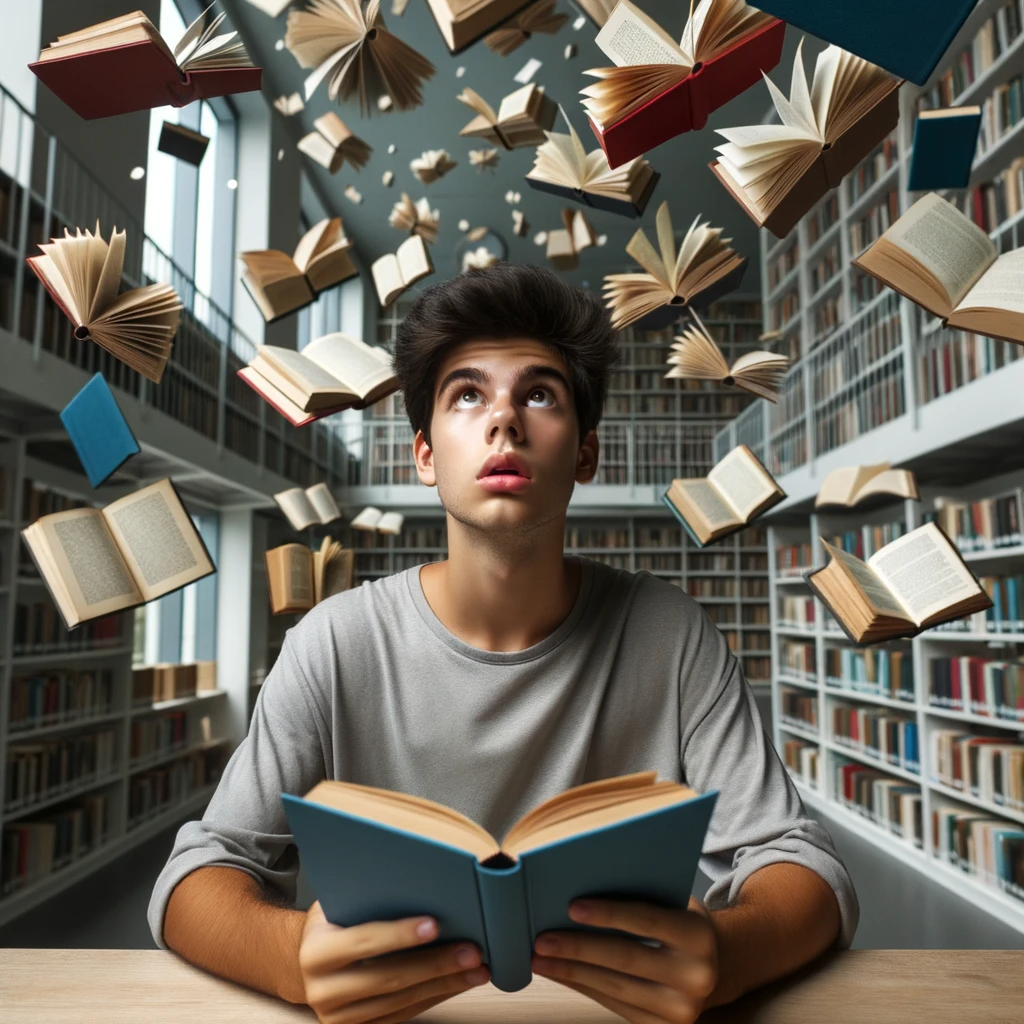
x,y
371,687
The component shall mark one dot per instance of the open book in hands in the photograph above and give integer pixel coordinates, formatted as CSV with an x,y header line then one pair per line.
x,y
308,507
98,561
617,837
395,272
736,491
332,142
941,260
522,119
777,172
566,243
850,485
913,583
703,269
280,284
537,17
82,273
373,519
298,578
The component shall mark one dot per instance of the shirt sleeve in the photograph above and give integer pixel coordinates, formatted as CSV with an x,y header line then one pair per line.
x,y
759,818
287,750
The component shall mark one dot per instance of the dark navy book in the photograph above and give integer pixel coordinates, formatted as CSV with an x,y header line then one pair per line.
x,y
98,430
945,142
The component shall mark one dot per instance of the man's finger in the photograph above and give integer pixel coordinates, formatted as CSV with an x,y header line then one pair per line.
x,y
669,926
337,947
410,1012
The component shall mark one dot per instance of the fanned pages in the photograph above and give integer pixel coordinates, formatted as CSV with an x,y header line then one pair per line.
x,y
332,142
913,583
393,273
566,243
416,217
298,578
82,273
462,22
522,119
431,165
851,485
538,17
736,491
779,171
308,507
352,49
943,261
704,267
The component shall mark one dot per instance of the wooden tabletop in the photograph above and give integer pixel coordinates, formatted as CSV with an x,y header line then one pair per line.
x,y
883,986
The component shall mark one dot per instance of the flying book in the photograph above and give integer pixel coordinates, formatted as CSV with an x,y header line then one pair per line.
x,y
565,244
538,17
431,165
395,272
520,225
281,284
182,143
945,142
482,158
374,519
736,491
82,273
913,583
352,49
403,854
124,64
298,578
309,506
523,118
98,430
98,561
941,260
271,7
332,142
659,89
479,258
462,22
564,167
289,105
777,172
850,485
416,217
703,269
598,11
695,356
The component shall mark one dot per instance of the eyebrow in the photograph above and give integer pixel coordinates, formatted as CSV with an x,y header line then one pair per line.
x,y
475,375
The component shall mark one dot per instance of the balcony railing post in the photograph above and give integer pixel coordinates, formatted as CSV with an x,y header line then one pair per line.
x,y
222,394
37,327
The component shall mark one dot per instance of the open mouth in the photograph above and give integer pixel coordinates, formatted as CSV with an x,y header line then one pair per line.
x,y
504,472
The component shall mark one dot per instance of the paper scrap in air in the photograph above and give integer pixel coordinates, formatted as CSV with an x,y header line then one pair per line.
x,y
528,70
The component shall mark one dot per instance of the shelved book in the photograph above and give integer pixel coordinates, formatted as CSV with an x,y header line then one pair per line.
x,y
280,284
913,583
522,119
777,172
462,22
937,258
308,506
405,854
371,518
736,491
299,578
659,89
945,142
851,485
97,429
985,524
98,561
124,64
396,272
331,143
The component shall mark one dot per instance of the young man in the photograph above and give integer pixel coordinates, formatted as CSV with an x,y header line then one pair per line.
x,y
496,679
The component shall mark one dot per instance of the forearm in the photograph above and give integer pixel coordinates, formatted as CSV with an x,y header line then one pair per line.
x,y
785,916
220,919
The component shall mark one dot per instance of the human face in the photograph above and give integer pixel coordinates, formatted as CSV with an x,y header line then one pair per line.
x,y
511,397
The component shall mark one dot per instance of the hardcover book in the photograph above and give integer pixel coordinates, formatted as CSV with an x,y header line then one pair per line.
x,y
462,22
298,578
98,430
945,142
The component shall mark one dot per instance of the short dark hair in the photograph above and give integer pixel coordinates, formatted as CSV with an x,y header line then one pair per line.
x,y
506,300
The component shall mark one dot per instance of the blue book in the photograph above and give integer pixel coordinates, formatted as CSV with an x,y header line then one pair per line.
x,y
907,38
945,142
98,430
372,855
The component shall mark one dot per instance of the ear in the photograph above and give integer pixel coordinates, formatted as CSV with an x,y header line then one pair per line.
x,y
586,458
424,460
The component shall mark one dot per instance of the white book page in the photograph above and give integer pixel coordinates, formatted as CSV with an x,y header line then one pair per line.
x,y
323,502
741,482
387,276
367,519
1000,287
868,581
413,259
391,522
297,507
629,38
707,499
349,360
298,367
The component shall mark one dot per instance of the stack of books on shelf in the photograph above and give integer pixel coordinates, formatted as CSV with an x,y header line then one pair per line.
x,y
799,709
977,685
874,670
54,697
877,733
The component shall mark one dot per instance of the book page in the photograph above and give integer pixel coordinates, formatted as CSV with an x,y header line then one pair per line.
x,y
321,499
924,571
868,581
742,483
336,571
629,38
308,374
367,519
413,259
349,360
157,539
290,578
707,500
308,244
839,487
387,278
1000,287
297,506
391,522
900,483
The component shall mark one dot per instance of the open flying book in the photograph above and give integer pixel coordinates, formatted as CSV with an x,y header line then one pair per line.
x,y
416,217
97,561
736,491
334,372
777,172
659,89
271,7
373,519
695,356
308,507
394,272
538,17
703,269
352,49
941,260
462,22
82,273
850,485
280,284
913,583
124,64
332,142
565,244
483,158
431,165
406,854
289,105
523,119
598,11
299,578
564,167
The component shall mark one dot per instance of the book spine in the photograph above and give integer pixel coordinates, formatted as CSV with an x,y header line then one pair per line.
x,y
507,925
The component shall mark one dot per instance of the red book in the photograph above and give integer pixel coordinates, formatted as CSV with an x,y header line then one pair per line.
x,y
291,412
685,106
955,693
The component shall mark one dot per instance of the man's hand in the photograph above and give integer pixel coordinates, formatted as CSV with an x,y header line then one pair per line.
x,y
646,985
344,989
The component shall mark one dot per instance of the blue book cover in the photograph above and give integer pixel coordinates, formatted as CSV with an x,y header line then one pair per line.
x,y
945,142
98,430
907,38
1002,838
362,870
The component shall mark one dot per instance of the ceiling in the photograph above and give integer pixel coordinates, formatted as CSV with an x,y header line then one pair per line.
x,y
478,197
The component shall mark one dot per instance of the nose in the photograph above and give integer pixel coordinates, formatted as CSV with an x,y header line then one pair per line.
x,y
505,418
